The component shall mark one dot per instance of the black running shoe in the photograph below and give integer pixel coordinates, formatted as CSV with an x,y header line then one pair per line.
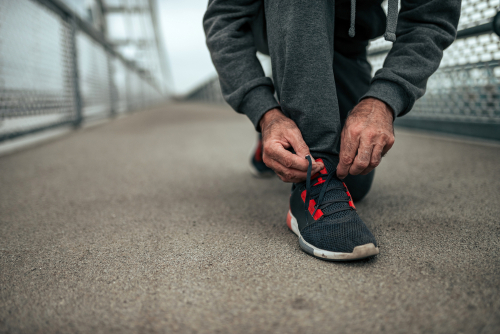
x,y
257,166
324,217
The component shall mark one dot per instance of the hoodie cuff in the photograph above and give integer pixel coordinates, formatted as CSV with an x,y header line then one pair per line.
x,y
257,102
391,93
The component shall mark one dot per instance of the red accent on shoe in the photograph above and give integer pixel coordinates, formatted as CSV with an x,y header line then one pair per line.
x,y
323,171
258,151
351,202
312,204
320,181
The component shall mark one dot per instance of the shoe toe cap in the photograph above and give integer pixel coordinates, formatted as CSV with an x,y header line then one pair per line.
x,y
340,237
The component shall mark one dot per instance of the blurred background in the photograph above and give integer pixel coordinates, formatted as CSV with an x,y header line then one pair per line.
x,y
65,62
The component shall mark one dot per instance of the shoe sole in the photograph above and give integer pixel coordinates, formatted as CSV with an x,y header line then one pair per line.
x,y
358,253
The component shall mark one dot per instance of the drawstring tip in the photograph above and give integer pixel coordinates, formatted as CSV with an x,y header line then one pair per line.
x,y
389,36
352,32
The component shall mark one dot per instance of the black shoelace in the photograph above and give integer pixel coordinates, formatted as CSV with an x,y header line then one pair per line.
x,y
318,196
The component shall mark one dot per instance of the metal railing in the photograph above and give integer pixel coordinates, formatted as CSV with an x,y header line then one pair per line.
x,y
209,91
58,69
463,96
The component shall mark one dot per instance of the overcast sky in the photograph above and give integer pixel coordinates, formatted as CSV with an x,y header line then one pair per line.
x,y
181,25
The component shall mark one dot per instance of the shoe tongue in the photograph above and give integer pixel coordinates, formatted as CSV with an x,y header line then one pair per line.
x,y
328,169
329,166
334,193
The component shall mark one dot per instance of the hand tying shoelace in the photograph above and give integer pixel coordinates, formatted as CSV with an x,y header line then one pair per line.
x,y
324,217
319,195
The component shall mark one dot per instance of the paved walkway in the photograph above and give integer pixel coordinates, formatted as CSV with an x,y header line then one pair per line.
x,y
151,223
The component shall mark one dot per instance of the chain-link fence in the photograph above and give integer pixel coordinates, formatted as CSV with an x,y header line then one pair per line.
x,y
465,90
209,91
57,69
463,96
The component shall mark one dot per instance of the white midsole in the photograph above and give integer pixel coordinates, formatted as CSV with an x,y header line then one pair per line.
x,y
359,252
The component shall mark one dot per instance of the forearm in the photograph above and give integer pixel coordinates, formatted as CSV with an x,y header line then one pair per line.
x,y
231,45
425,28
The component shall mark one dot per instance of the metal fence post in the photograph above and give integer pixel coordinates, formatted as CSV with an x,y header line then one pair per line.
x,y
112,88
76,82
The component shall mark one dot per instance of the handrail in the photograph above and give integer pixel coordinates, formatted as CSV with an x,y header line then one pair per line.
x,y
60,8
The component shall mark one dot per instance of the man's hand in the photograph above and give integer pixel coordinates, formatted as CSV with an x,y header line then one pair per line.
x,y
369,132
280,133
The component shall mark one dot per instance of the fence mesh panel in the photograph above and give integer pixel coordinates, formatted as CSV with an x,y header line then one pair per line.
x,y
94,75
40,86
120,86
466,87
36,86
477,12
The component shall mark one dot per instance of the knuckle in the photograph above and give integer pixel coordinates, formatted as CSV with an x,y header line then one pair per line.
x,y
287,162
302,146
266,160
370,135
363,163
267,147
346,160
354,131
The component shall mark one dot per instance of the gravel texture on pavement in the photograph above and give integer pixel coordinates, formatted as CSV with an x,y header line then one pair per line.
x,y
152,223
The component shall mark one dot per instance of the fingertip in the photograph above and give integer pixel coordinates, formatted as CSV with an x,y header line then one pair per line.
x,y
316,170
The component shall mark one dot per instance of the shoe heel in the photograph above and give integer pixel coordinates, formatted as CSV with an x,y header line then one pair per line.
x,y
289,220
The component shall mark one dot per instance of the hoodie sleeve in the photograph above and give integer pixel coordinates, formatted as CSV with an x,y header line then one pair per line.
x,y
425,28
231,45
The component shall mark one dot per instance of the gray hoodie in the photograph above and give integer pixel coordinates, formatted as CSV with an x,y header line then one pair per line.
x,y
235,30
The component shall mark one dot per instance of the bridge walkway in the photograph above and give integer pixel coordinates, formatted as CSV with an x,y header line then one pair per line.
x,y
152,223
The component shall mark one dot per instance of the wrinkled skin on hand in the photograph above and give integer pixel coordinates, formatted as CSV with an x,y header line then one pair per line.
x,y
279,134
367,136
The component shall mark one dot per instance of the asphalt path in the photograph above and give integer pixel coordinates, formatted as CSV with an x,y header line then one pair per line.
x,y
152,223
